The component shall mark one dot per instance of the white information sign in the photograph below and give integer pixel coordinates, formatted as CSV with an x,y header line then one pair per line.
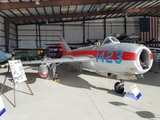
x,y
2,108
17,71
133,92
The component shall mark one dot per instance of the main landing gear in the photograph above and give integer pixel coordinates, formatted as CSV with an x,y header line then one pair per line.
x,y
55,75
119,87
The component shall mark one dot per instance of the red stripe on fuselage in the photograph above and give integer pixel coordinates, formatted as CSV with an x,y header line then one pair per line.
x,y
125,55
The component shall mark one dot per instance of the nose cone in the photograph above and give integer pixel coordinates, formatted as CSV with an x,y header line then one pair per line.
x,y
144,59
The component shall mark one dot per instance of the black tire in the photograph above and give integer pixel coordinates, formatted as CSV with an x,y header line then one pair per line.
x,y
119,88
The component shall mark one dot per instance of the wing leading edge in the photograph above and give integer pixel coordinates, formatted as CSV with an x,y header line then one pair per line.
x,y
66,59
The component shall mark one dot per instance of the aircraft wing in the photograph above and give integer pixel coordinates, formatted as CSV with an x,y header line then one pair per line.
x,y
66,59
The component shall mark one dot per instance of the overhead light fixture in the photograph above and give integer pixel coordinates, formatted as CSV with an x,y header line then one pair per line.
x,y
66,9
151,3
102,16
111,6
63,19
69,18
98,16
37,2
19,12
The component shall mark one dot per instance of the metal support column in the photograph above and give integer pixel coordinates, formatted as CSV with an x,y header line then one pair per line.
x,y
6,31
84,32
17,41
39,30
104,27
125,25
63,30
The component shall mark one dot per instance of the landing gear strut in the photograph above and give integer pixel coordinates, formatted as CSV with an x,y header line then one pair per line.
x,y
55,75
119,87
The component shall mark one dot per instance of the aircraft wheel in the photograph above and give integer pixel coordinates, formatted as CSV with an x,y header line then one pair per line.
x,y
119,87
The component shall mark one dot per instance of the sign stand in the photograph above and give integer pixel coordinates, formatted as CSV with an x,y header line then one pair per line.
x,y
16,80
133,93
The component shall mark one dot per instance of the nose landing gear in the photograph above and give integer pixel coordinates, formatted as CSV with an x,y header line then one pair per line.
x,y
119,87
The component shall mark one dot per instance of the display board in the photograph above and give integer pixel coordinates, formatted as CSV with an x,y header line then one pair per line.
x,y
2,108
17,71
133,93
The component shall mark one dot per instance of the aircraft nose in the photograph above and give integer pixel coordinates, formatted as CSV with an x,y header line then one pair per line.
x,y
145,58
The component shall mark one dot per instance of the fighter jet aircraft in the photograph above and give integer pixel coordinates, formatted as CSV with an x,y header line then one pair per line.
x,y
111,57
4,56
29,55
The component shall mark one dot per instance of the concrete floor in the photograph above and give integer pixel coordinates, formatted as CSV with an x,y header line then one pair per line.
x,y
80,96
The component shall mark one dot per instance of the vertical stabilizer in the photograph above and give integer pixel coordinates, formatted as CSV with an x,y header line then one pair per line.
x,y
64,46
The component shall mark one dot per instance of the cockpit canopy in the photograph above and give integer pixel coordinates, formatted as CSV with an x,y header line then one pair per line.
x,y
110,39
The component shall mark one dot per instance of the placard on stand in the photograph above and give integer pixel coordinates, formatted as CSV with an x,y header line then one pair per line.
x,y
18,76
133,93
2,107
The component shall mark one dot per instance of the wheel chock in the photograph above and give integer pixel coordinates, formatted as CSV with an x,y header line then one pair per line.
x,y
57,80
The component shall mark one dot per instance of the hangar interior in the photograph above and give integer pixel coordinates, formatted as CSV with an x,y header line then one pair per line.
x,y
80,95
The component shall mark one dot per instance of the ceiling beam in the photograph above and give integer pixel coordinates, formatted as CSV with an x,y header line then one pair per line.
x,y
50,3
136,10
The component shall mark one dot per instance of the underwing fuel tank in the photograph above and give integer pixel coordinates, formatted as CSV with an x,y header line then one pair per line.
x,y
43,70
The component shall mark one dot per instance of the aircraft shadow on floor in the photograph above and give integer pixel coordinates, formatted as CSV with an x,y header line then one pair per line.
x,y
140,112
71,78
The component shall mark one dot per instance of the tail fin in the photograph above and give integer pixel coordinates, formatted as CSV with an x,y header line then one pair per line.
x,y
64,46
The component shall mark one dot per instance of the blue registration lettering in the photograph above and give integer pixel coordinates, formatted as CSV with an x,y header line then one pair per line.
x,y
102,56
120,52
109,56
